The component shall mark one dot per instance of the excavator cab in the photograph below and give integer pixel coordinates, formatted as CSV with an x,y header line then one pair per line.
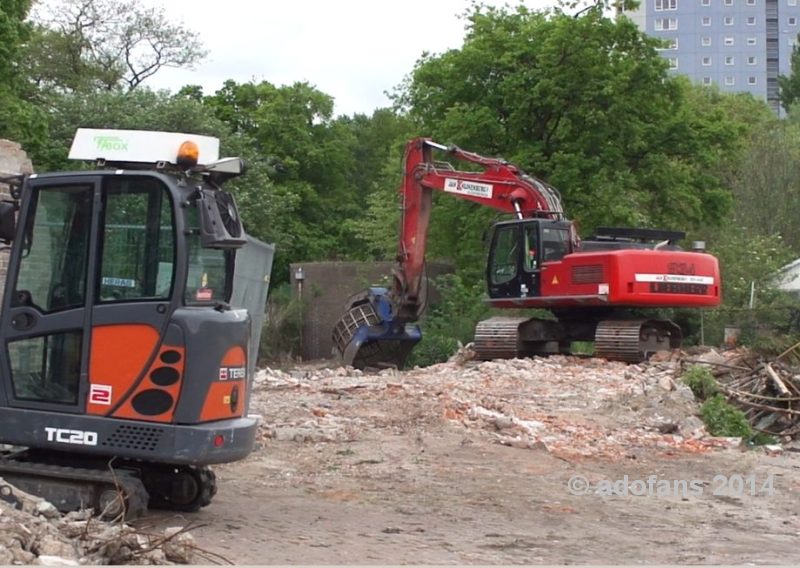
x,y
519,248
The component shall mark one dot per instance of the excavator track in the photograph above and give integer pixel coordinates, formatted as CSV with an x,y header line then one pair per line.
x,y
498,338
180,488
635,340
113,494
632,341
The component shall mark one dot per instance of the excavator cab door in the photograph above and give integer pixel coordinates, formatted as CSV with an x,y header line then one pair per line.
x,y
514,259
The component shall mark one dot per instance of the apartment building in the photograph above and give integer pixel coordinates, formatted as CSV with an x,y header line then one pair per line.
x,y
738,45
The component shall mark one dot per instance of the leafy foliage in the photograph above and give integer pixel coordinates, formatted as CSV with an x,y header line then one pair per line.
x,y
789,85
19,119
451,321
583,102
722,419
701,381
104,44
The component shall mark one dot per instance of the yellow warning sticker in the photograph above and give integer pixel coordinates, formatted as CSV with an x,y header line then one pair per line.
x,y
226,399
555,280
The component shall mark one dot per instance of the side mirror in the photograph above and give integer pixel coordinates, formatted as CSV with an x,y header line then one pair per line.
x,y
8,223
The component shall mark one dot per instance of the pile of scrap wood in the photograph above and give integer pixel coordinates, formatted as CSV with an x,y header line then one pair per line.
x,y
766,389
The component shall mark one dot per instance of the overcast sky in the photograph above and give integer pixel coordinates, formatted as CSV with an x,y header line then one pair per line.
x,y
353,50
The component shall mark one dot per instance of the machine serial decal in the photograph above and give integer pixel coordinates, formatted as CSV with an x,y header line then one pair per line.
x,y
675,278
76,437
473,188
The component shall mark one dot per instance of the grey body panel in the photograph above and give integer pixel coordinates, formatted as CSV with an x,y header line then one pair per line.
x,y
149,441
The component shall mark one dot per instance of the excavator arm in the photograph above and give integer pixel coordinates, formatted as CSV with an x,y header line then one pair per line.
x,y
497,184
374,330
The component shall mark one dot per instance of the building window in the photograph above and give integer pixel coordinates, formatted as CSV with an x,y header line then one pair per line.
x,y
752,60
752,41
730,81
729,60
728,40
729,2
707,81
792,2
706,61
705,2
663,24
673,62
751,2
706,41
792,21
728,20
751,20
752,81
706,21
791,42
666,5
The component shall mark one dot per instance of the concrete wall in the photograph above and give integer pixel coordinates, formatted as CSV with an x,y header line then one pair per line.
x,y
13,161
326,288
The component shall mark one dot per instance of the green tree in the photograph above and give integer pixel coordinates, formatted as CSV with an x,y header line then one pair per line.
x,y
19,120
263,209
789,85
104,44
583,102
324,166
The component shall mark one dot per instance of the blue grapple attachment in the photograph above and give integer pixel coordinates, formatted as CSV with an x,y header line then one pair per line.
x,y
369,334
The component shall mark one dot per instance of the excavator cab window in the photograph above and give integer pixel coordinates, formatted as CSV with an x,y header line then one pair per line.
x,y
555,242
531,247
210,275
138,245
504,256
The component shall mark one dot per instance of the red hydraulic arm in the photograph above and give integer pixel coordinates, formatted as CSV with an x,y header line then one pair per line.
x,y
500,185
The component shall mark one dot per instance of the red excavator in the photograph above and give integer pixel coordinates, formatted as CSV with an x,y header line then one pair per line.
x,y
536,260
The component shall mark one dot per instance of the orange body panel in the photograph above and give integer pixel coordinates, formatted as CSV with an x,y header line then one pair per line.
x,y
166,395
230,386
118,356
218,401
235,357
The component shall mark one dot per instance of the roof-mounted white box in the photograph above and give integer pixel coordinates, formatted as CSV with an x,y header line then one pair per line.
x,y
140,146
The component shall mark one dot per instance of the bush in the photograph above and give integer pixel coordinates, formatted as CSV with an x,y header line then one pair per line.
x,y
722,419
431,350
281,336
701,381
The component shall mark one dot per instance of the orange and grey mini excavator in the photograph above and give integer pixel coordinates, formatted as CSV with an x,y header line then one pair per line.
x,y
536,260
123,366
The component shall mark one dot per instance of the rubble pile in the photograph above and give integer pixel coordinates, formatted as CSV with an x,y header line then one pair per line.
x,y
32,531
768,391
570,406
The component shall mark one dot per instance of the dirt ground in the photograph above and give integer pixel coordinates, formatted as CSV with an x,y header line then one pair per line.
x,y
470,462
